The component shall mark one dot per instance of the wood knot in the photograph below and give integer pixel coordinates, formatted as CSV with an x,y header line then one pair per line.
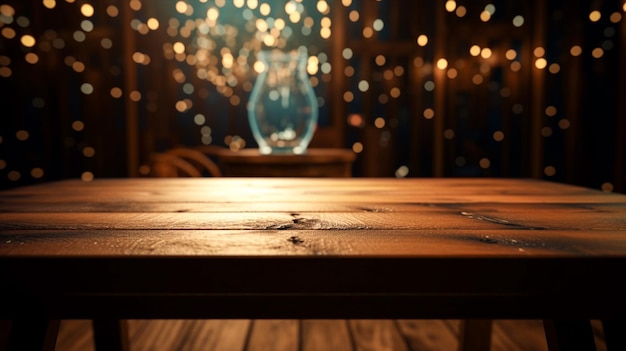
x,y
295,240
488,240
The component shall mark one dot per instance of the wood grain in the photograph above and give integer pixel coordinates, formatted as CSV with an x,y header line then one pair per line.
x,y
317,335
321,335
499,244
279,335
377,335
428,335
357,190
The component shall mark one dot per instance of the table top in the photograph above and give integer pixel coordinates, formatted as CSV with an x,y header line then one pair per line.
x,y
330,163
312,156
299,247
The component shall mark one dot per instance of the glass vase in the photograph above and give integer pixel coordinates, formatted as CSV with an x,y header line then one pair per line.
x,y
282,110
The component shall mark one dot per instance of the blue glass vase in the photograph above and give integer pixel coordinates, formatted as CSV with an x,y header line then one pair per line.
x,y
282,109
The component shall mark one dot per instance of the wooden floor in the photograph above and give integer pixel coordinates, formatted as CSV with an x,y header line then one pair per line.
x,y
309,335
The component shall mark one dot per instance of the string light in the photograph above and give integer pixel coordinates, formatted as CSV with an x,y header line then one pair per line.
x,y
196,34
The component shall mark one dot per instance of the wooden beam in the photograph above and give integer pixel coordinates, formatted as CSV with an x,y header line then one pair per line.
x,y
338,80
130,84
620,128
440,90
537,92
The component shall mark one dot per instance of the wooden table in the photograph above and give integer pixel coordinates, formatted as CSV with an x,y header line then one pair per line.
x,y
313,248
315,163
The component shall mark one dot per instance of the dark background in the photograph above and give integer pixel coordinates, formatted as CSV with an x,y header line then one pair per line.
x,y
479,116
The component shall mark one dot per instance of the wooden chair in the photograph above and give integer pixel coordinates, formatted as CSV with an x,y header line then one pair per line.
x,y
183,162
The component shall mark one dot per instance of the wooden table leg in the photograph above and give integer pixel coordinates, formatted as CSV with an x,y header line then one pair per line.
x,y
111,334
565,335
614,334
5,328
33,334
475,334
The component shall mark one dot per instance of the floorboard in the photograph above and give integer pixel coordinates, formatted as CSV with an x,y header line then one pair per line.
x,y
310,335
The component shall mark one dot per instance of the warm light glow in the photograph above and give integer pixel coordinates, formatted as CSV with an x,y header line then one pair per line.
x,y
554,68
8,32
181,7
461,11
442,63
31,58
452,73
322,6
474,50
595,16
87,10
477,79
539,51
28,40
348,96
325,33
116,93
576,50
355,120
86,177
450,5
422,40
616,17
597,53
36,173
546,132
7,10
49,3
153,23
259,67
485,16
607,187
380,60
22,135
135,96
429,113
354,15
112,11
394,92
178,47
89,151
498,136
485,53
368,32
379,122
510,54
541,63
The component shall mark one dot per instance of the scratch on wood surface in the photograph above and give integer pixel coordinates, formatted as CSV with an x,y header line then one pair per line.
x,y
372,209
502,221
283,226
295,240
